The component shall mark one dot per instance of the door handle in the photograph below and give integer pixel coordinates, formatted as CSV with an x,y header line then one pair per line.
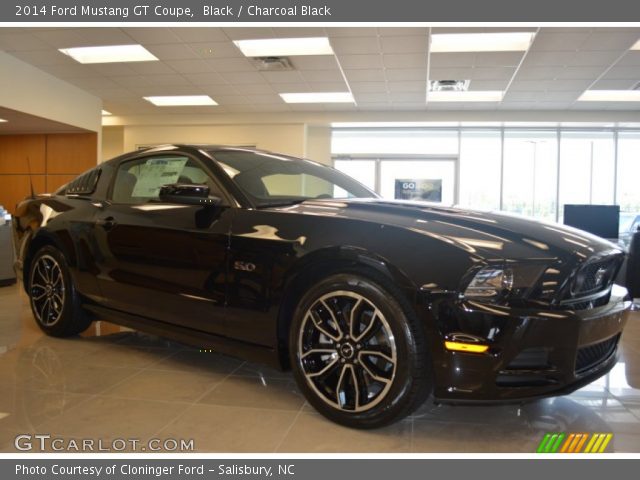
x,y
107,223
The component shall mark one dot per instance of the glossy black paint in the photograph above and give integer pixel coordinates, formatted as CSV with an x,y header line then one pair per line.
x,y
228,275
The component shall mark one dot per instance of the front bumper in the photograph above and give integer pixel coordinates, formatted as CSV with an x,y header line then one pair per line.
x,y
532,353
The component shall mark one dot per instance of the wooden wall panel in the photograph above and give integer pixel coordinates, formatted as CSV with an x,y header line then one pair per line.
x,y
71,153
15,149
15,188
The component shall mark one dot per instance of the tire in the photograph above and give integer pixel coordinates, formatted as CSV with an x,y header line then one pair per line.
x,y
55,303
358,352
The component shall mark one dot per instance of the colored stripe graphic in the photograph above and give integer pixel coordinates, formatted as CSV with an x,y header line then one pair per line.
x,y
559,442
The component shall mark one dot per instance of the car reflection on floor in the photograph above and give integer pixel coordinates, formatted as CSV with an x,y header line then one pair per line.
x,y
114,382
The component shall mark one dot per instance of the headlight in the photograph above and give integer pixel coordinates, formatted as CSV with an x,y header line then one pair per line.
x,y
495,283
490,283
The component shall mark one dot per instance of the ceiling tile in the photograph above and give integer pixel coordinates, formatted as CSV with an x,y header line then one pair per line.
x,y
231,65
151,35
407,87
248,33
314,62
371,97
314,76
405,74
42,58
297,87
11,42
549,59
220,89
172,51
366,75
257,89
547,41
352,31
368,87
282,77
403,31
623,73
585,58
355,45
64,38
352,62
405,44
408,60
190,66
213,50
206,34
616,41
210,78
243,77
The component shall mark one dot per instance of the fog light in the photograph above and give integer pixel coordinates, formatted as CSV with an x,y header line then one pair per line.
x,y
466,347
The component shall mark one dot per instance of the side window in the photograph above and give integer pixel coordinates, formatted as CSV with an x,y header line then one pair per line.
x,y
139,181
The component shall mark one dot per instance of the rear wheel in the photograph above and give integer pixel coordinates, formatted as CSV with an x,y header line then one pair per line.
x,y
358,353
55,303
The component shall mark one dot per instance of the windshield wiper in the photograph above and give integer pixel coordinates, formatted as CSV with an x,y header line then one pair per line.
x,y
282,203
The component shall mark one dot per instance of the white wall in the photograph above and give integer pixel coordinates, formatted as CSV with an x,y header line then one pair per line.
x,y
289,139
27,89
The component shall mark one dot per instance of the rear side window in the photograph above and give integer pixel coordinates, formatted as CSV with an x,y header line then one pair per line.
x,y
85,184
139,181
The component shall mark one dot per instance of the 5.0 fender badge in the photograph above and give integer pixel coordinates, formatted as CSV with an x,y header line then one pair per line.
x,y
244,266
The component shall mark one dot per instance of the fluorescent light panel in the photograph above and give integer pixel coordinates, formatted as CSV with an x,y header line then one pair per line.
x,y
2,120
610,96
318,97
636,46
481,42
110,54
275,47
181,100
105,113
468,96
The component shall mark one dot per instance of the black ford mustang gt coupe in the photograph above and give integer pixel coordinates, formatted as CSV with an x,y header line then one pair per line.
x,y
373,304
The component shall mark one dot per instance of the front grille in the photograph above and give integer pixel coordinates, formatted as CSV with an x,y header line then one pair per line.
x,y
592,355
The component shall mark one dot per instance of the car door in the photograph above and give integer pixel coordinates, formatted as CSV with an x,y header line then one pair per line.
x,y
160,260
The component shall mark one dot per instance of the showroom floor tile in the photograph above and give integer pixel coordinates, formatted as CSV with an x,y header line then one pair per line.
x,y
114,383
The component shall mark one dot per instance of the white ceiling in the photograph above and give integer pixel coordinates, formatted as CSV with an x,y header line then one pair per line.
x,y
386,68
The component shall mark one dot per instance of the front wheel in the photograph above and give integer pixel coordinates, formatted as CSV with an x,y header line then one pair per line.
x,y
357,351
55,303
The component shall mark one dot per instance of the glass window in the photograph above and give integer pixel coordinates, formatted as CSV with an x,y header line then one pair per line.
x,y
420,180
363,171
395,141
270,180
587,163
139,181
480,157
628,194
530,173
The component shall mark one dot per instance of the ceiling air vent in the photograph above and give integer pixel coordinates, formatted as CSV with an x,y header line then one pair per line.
x,y
272,64
448,85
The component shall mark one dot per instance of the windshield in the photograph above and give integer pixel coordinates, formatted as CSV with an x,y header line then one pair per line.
x,y
271,180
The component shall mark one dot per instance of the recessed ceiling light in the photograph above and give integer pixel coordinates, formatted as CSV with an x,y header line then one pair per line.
x,y
274,47
468,96
610,96
105,113
481,42
318,97
110,54
181,100
2,120
636,46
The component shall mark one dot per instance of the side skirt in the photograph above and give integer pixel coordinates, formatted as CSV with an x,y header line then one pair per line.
x,y
204,340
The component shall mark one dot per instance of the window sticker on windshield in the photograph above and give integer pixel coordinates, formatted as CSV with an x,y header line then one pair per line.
x,y
155,173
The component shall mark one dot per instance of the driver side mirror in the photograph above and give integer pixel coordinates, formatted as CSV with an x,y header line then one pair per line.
x,y
188,194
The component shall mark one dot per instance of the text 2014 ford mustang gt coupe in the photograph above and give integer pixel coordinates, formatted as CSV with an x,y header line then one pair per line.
x,y
373,304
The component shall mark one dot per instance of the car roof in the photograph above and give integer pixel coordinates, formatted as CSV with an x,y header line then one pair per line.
x,y
192,147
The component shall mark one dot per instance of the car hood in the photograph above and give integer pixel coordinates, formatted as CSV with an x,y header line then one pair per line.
x,y
488,235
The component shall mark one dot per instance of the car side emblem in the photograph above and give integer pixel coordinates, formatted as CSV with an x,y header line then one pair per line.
x,y
244,266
